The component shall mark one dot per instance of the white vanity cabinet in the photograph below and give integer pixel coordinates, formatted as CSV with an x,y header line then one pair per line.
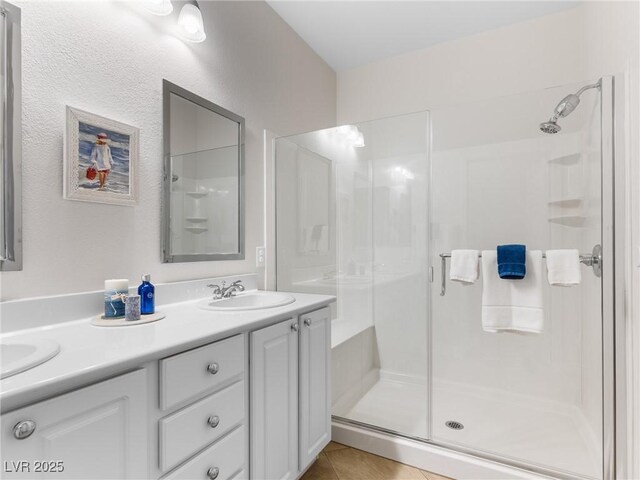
x,y
99,431
290,395
252,405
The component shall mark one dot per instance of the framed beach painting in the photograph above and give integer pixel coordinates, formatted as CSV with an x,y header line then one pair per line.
x,y
101,159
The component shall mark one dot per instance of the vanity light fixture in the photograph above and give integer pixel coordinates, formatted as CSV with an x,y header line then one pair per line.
x,y
159,7
190,23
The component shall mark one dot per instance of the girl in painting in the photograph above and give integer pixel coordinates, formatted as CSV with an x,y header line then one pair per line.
x,y
101,158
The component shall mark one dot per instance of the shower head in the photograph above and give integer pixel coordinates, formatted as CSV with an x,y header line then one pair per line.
x,y
550,127
567,105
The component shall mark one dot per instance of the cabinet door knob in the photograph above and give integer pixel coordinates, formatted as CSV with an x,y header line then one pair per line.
x,y
213,368
212,473
24,429
294,327
213,421
307,322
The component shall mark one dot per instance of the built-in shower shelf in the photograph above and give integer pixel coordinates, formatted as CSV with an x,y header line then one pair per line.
x,y
572,159
196,229
569,220
567,202
197,219
197,194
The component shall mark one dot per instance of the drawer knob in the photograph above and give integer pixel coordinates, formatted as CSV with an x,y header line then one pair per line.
x,y
307,322
294,327
212,473
24,429
213,368
213,421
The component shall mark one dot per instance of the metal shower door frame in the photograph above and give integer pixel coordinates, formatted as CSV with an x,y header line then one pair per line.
x,y
613,303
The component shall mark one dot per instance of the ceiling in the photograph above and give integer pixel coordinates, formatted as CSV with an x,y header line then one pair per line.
x,y
350,33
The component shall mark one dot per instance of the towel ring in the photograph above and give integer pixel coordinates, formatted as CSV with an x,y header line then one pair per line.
x,y
593,260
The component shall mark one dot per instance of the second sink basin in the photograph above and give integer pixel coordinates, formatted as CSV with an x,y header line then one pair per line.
x,y
20,356
249,301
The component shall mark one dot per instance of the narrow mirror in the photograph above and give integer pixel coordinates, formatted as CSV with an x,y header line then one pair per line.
x,y
203,181
10,139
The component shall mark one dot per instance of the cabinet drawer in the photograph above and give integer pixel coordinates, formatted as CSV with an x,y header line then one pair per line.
x,y
189,430
190,374
227,455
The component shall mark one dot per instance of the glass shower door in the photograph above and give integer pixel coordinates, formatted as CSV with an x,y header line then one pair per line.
x,y
535,400
352,221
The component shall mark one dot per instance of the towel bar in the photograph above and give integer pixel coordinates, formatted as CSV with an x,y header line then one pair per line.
x,y
593,260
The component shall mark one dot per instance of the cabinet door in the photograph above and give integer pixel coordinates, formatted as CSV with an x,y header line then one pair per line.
x,y
274,402
97,432
315,384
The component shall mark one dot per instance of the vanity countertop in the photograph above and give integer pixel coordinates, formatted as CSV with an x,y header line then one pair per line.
x,y
90,353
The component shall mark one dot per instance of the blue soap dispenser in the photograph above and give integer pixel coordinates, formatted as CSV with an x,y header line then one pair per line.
x,y
147,295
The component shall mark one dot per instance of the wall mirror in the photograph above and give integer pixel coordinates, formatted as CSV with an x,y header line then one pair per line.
x,y
203,210
10,139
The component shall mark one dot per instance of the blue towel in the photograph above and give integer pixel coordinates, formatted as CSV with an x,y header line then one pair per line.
x,y
512,261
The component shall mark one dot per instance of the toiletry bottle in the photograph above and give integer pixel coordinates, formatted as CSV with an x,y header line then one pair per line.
x,y
147,295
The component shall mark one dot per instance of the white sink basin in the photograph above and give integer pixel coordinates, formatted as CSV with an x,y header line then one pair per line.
x,y
248,301
18,356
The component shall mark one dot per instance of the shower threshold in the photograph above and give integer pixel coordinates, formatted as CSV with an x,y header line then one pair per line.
x,y
439,457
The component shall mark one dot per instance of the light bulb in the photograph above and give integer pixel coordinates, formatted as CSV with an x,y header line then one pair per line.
x,y
359,141
190,23
159,7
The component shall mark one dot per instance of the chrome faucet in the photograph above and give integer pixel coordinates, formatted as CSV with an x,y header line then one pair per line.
x,y
224,291
233,289
217,291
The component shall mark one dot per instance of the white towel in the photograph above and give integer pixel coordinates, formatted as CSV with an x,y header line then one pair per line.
x,y
563,267
512,305
464,266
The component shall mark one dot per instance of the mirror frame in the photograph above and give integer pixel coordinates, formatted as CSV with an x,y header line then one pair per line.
x,y
169,88
11,155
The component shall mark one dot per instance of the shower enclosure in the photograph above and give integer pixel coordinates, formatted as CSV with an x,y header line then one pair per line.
x,y
369,212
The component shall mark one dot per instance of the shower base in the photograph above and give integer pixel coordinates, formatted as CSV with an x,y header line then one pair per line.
x,y
390,403
521,429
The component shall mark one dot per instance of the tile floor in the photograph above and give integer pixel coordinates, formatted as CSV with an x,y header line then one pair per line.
x,y
339,462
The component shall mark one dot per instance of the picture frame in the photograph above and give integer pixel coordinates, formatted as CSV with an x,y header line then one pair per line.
x,y
101,159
